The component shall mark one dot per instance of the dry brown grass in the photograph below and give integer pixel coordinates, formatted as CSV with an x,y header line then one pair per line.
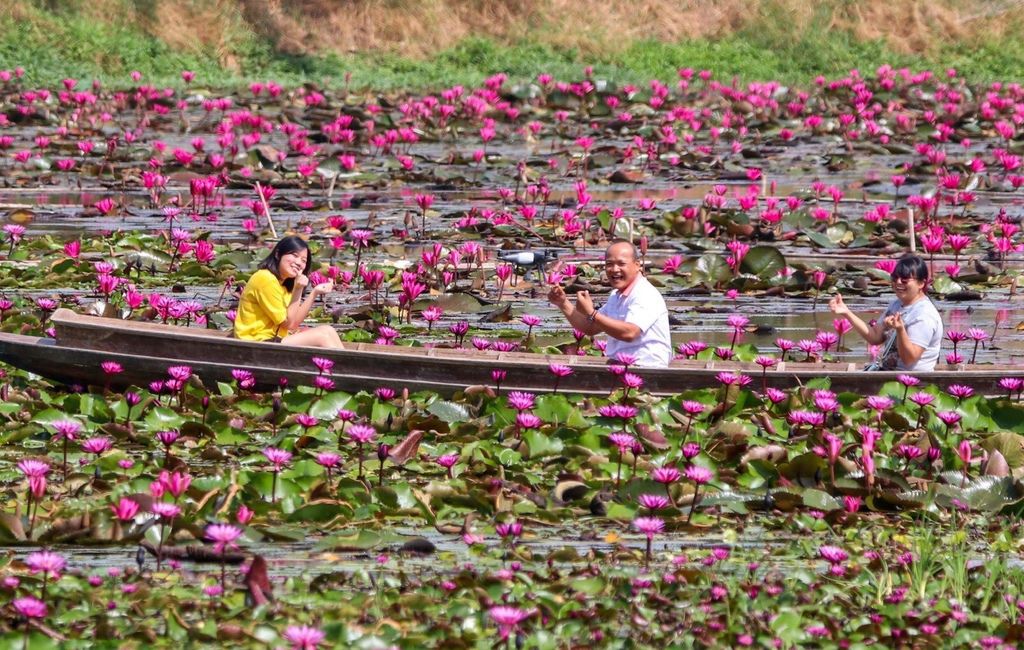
x,y
417,28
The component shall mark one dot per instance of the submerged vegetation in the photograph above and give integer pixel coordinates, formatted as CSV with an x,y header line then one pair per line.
x,y
187,511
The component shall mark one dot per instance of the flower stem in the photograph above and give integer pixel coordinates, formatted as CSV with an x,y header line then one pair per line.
x,y
693,505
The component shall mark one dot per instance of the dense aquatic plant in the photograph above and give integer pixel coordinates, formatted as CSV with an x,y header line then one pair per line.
x,y
526,481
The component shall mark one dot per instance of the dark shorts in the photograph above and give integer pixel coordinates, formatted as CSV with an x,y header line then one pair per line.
x,y
276,339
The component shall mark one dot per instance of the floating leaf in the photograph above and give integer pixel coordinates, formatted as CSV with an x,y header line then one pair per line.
x,y
1009,445
541,444
403,451
763,261
449,412
820,500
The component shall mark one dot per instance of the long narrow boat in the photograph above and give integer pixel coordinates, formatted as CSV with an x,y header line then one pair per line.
x,y
145,351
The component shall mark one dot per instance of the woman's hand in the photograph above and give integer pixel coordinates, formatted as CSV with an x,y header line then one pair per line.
x,y
322,288
894,322
301,281
837,306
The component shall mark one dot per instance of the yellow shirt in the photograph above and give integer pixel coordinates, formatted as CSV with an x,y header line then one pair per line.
x,y
263,308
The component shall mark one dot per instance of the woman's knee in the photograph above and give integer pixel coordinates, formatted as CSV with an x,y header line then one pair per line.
x,y
328,335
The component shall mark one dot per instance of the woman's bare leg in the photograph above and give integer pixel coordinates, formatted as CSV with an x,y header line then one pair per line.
x,y
322,336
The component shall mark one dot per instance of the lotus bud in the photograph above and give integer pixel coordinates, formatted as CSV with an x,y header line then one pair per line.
x,y
382,451
996,465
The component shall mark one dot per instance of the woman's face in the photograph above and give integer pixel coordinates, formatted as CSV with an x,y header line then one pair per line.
x,y
907,289
292,265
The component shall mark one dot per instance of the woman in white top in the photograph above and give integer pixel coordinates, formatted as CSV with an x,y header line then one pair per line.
x,y
910,328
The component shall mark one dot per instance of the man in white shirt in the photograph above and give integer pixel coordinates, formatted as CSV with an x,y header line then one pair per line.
x,y
635,317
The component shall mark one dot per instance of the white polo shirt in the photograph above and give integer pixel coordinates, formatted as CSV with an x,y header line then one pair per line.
x,y
645,308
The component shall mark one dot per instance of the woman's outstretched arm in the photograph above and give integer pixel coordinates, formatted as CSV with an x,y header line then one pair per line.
x,y
874,335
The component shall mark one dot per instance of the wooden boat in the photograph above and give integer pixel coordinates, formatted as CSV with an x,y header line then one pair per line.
x,y
145,351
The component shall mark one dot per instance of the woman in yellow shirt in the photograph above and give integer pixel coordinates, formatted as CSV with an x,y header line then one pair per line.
x,y
272,307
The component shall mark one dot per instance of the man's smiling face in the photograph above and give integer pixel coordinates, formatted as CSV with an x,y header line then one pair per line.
x,y
620,265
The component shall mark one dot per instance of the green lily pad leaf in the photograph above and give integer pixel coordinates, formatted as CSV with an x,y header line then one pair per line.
x,y
196,430
789,626
588,586
196,270
558,410
509,457
263,484
458,303
820,500
893,477
319,512
228,437
363,540
47,417
819,239
88,405
878,274
620,512
839,234
541,444
1010,445
943,284
763,261
161,418
450,412
381,411
327,407
252,409
1008,417
993,493
149,259
805,469
236,259
759,474
701,244
712,267
285,533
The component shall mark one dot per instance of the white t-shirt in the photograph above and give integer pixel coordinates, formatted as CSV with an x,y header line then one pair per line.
x,y
645,308
924,327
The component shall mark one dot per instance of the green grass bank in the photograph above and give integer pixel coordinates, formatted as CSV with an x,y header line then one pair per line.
x,y
54,40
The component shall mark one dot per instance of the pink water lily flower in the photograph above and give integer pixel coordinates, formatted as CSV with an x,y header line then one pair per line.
x,y
304,637
507,619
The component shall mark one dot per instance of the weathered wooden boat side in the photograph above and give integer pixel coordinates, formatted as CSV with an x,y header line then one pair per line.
x,y
82,366
145,350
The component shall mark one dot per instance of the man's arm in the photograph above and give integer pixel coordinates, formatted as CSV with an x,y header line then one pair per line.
x,y
585,317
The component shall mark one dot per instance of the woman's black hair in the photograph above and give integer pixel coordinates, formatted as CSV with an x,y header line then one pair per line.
x,y
290,244
911,266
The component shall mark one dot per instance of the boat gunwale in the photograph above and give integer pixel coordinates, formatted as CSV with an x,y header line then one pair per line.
x,y
467,357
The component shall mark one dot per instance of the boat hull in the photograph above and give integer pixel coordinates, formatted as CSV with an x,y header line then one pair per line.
x,y
146,350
